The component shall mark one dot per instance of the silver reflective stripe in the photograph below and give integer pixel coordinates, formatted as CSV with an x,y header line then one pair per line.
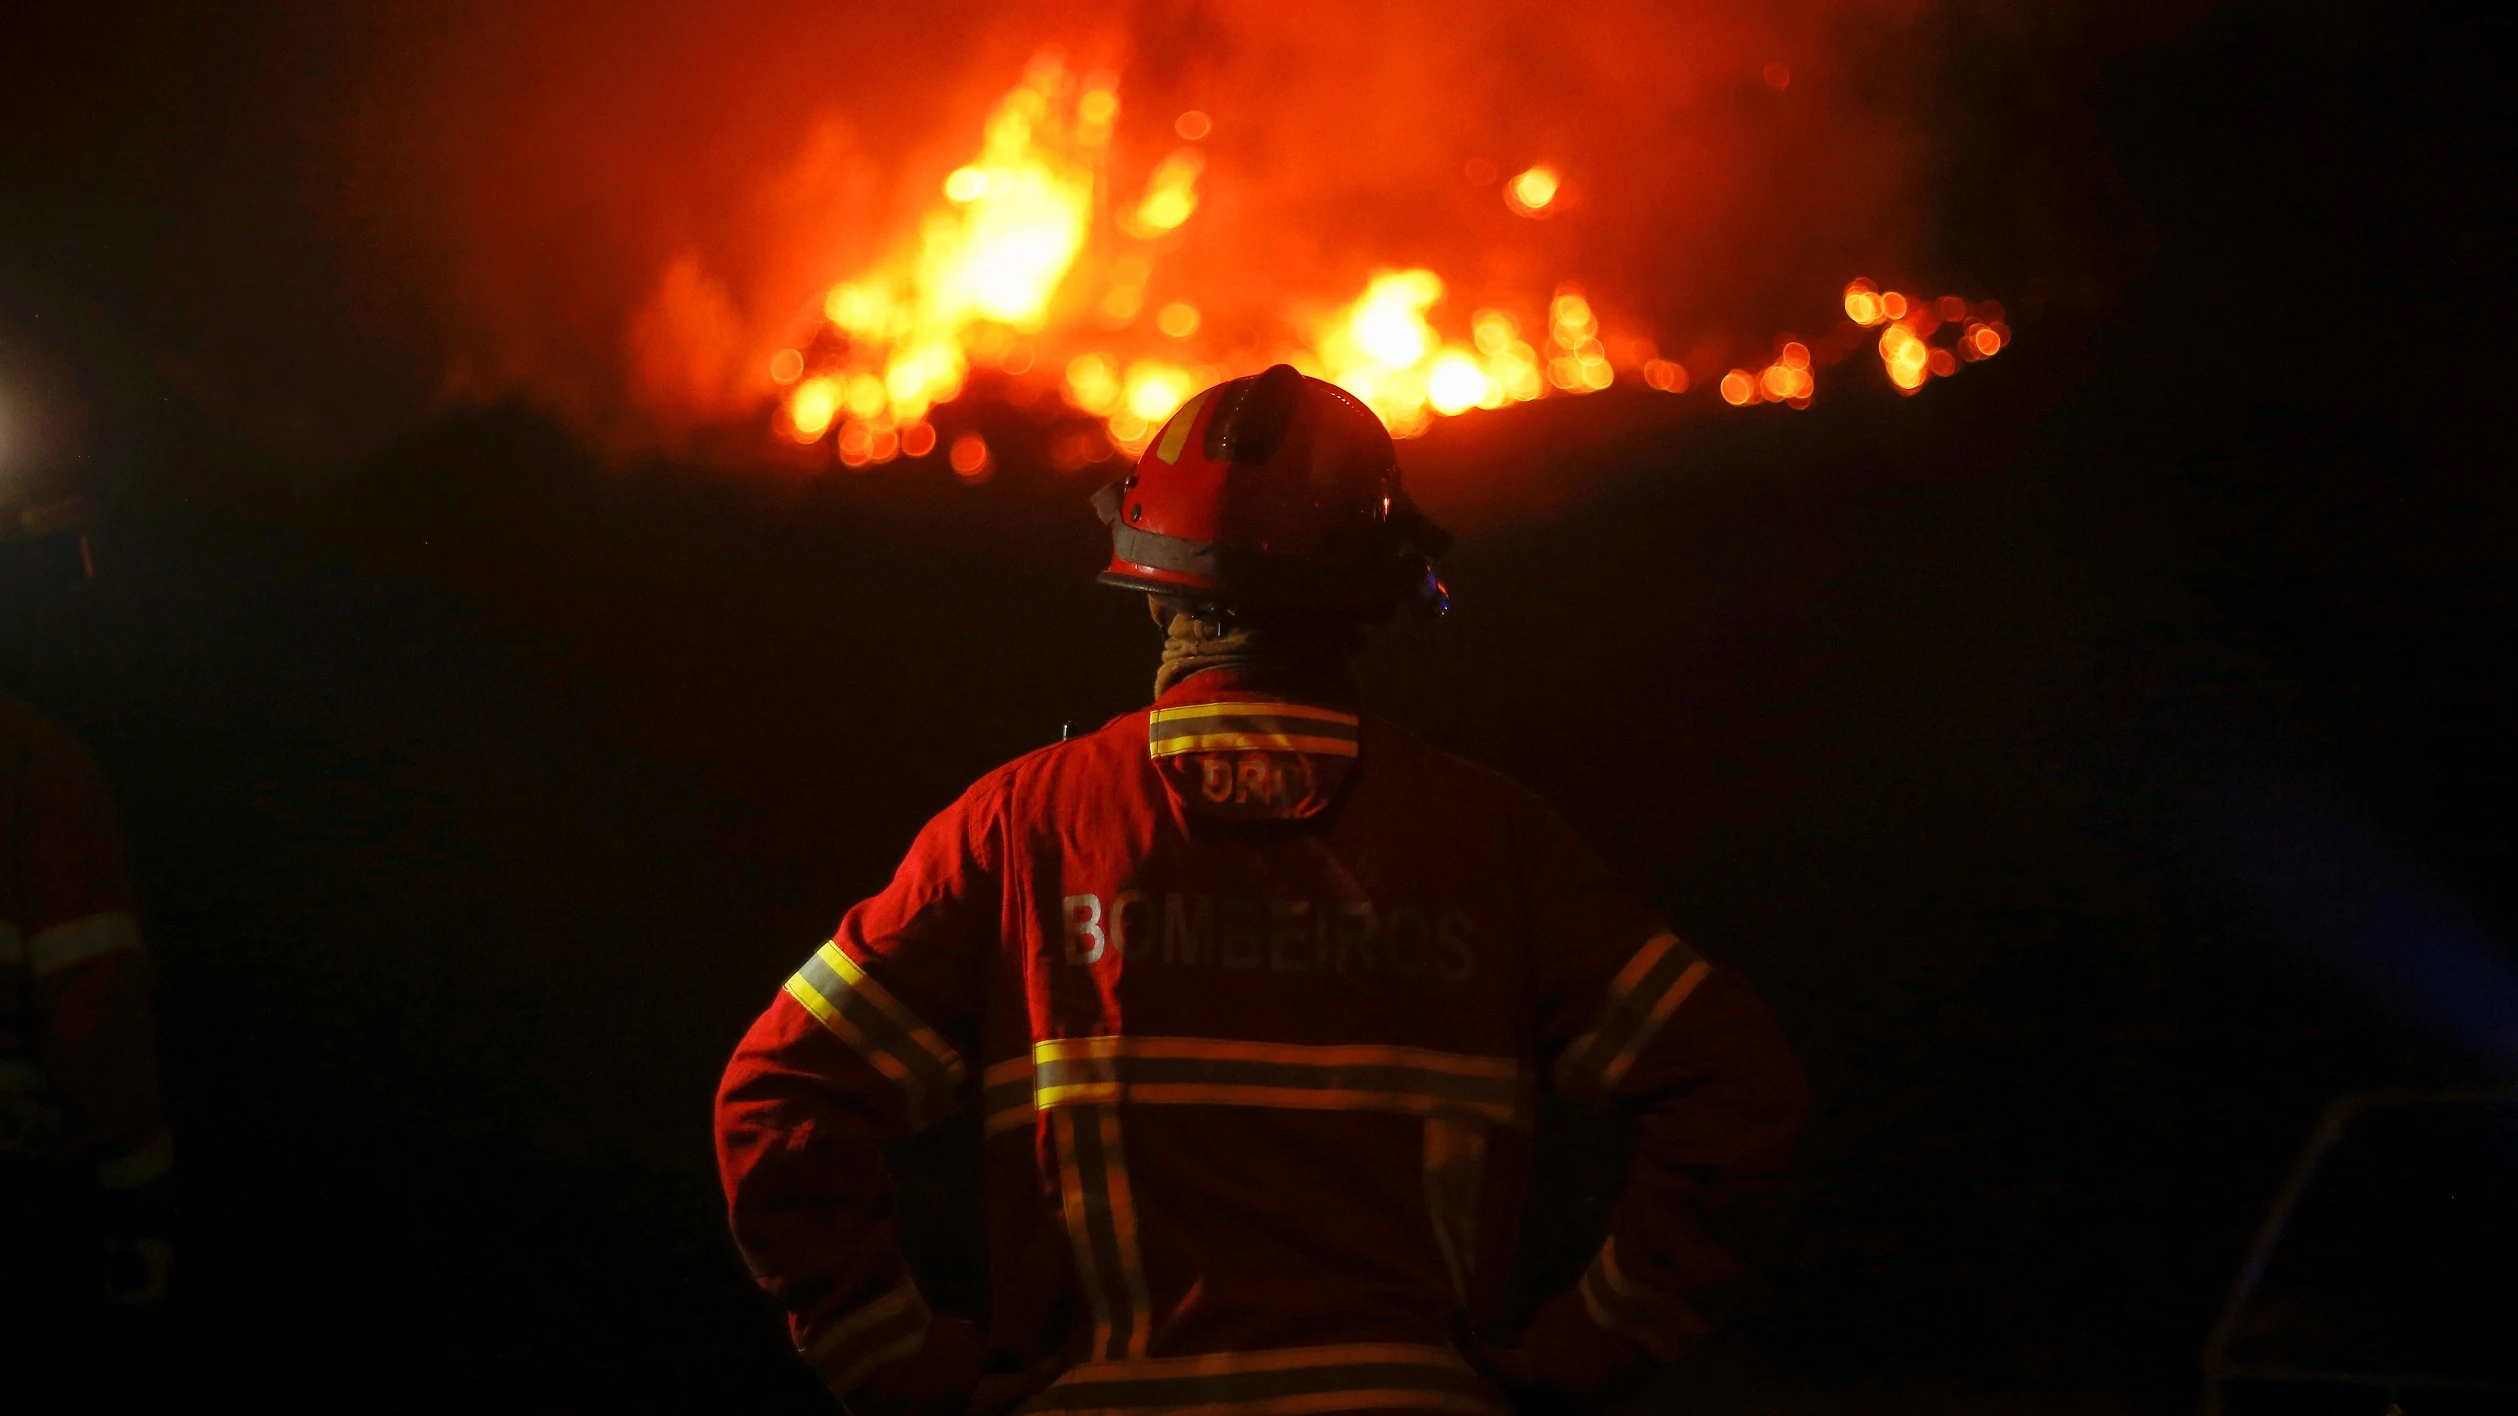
x,y
12,945
75,942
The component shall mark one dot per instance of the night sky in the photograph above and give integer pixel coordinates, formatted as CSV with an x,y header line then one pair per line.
x,y
2101,759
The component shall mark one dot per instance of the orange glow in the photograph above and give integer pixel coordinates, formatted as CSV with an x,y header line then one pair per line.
x,y
786,366
1155,389
1530,193
1778,76
918,439
1739,388
1942,363
1665,376
1193,126
1171,194
1388,326
1952,309
1893,305
1456,384
1178,319
1091,384
1862,303
1570,321
1795,356
811,407
1908,358
969,456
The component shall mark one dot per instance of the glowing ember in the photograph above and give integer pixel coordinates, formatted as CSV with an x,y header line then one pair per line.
x,y
1530,193
1043,265
969,456
1665,376
1906,348
1171,194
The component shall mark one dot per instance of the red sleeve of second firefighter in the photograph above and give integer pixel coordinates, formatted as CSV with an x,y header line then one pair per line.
x,y
95,1032
866,1042
1631,1015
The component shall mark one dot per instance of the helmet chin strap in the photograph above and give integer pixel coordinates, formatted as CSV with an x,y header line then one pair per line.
x,y
1199,636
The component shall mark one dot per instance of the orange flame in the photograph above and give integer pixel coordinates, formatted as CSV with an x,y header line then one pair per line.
x,y
1038,259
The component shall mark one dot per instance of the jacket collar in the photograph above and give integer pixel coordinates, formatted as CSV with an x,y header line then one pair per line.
x,y
1329,688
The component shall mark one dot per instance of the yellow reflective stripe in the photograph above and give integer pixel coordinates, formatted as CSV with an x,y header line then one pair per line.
x,y
1251,727
1455,1172
74,942
1123,1223
1005,1092
1101,1219
1176,436
1269,708
862,1340
1255,742
1286,1382
1643,996
864,1015
135,1168
1089,1268
1224,1072
1654,1321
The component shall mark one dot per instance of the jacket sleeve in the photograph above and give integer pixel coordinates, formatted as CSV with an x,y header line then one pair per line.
x,y
865,1044
95,1034
1632,1016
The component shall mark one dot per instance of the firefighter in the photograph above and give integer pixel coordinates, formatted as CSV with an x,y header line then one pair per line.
x,y
86,1162
1254,994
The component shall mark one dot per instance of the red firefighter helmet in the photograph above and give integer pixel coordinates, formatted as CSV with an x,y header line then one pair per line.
x,y
1273,491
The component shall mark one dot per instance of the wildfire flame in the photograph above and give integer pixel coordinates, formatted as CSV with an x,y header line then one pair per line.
x,y
1037,265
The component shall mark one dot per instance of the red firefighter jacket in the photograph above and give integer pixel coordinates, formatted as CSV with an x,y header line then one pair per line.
x,y
78,1062
1254,995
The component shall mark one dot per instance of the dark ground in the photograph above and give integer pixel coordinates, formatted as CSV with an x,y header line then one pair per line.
x,y
480,795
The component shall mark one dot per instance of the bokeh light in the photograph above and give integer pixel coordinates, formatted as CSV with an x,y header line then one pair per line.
x,y
1531,192
969,457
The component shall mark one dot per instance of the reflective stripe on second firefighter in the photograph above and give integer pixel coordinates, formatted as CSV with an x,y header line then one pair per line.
x,y
876,1334
73,942
1642,997
1005,1096
863,1014
1658,1323
1351,1377
1080,1082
